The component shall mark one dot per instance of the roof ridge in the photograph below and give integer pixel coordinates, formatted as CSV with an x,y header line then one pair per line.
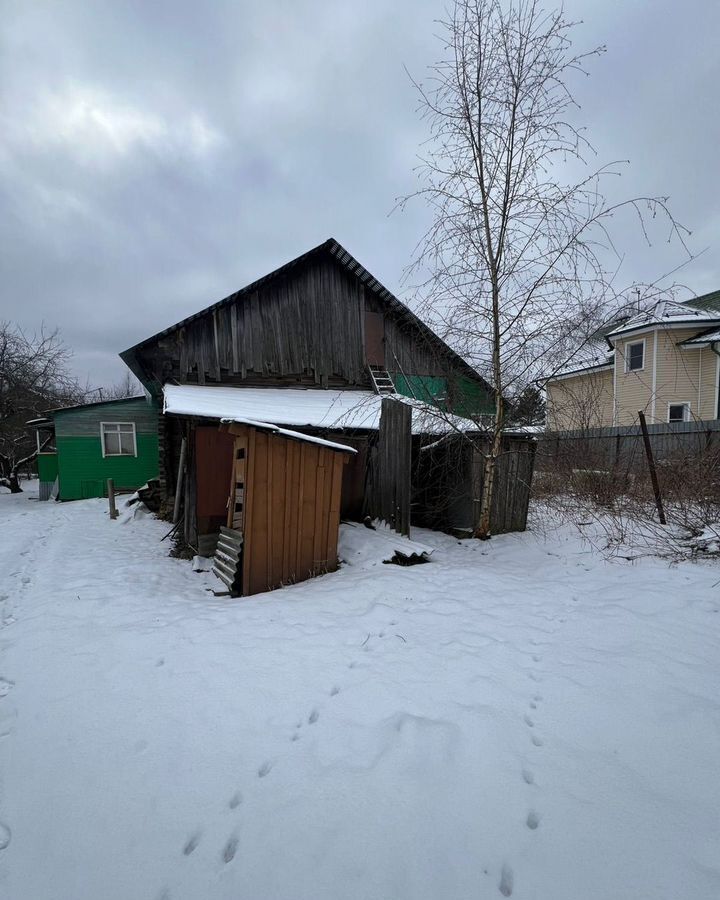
x,y
348,261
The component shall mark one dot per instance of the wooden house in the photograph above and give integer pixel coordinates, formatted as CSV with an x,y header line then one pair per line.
x,y
82,446
318,347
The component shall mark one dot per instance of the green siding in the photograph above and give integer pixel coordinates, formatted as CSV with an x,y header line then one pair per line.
x,y
85,420
82,469
468,398
47,465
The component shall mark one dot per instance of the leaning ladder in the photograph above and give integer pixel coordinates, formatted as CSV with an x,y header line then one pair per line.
x,y
381,381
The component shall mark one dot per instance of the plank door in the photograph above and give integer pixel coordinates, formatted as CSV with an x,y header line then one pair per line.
x,y
375,338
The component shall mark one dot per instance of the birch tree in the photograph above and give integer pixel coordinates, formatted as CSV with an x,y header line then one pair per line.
x,y
517,265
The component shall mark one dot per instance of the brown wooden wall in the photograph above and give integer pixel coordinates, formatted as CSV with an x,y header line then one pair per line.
x,y
305,327
291,508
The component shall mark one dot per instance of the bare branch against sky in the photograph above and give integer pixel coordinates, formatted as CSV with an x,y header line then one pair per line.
x,y
156,157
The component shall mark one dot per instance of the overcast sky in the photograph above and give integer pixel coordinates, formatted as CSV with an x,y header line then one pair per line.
x,y
156,156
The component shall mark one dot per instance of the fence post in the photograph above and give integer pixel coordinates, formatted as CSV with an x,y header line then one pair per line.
x,y
651,466
111,498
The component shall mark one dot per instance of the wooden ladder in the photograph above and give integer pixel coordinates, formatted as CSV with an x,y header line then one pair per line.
x,y
381,381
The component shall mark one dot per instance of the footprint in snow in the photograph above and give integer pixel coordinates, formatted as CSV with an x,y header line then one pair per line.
x,y
538,742
264,769
528,776
235,800
5,836
334,691
533,820
230,849
506,881
537,658
313,717
537,698
5,687
528,721
533,704
192,843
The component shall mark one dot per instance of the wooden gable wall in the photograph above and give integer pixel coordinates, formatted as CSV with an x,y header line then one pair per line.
x,y
305,327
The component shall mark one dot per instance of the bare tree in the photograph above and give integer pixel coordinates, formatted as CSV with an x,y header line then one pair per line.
x,y
34,378
514,267
127,387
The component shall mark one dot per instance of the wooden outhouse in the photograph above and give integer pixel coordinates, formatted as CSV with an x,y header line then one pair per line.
x,y
283,507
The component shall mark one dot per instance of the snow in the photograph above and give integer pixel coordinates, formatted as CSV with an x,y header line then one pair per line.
x,y
316,408
519,715
666,312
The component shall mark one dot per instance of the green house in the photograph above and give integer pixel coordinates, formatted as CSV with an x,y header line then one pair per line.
x,y
80,447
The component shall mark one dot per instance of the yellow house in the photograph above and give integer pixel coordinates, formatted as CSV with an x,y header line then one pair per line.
x,y
664,361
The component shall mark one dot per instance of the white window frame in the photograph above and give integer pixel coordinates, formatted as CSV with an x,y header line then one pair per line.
x,y
688,410
628,345
116,424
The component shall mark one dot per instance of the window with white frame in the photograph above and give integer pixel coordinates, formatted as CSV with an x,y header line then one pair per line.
x,y
678,412
635,356
118,439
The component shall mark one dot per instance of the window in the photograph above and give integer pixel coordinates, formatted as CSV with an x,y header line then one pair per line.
x,y
635,356
678,412
118,438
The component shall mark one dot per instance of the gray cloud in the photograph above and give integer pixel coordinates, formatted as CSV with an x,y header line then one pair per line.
x,y
156,157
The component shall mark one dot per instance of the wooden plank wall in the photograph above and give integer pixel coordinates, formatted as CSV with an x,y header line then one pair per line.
x,y
448,481
292,509
307,327
390,467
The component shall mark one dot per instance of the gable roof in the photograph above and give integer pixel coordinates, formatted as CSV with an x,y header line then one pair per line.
x,y
335,250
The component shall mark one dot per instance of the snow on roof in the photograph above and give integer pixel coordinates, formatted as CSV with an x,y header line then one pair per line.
x,y
592,356
667,312
308,407
708,337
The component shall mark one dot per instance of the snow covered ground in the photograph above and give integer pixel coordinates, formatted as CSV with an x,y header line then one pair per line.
x,y
514,718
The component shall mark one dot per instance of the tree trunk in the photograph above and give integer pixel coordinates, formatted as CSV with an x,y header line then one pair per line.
x,y
484,526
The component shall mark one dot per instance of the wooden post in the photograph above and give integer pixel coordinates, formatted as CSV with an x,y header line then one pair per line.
x,y
179,482
651,466
111,498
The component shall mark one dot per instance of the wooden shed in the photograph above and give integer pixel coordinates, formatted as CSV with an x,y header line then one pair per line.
x,y
82,446
283,508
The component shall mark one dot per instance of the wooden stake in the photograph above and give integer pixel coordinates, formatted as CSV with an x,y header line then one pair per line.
x,y
111,498
179,482
651,466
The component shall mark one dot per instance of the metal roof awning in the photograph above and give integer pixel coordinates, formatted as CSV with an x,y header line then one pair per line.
x,y
330,410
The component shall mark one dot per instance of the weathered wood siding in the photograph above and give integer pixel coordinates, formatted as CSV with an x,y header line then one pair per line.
x,y
448,478
306,327
390,465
